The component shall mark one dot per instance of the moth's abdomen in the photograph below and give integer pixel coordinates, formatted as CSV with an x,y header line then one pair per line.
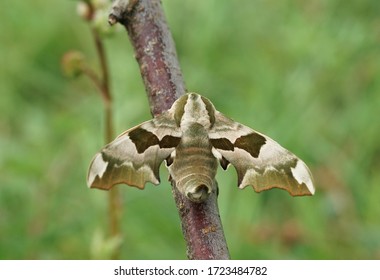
x,y
193,169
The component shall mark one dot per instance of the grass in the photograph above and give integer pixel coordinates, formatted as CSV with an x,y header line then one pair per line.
x,y
306,73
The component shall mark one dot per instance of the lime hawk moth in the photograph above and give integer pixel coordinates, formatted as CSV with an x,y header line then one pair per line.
x,y
193,137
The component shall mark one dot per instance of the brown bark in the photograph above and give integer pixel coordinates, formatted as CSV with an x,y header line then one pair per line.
x,y
156,55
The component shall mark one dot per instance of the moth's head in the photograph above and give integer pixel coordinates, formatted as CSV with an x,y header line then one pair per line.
x,y
193,107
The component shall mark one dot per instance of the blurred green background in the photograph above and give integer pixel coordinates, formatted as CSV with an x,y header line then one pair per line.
x,y
306,73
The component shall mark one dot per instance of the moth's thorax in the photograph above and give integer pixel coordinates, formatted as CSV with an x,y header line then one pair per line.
x,y
197,109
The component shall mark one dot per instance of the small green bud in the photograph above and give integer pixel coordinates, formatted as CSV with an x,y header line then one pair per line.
x,y
73,63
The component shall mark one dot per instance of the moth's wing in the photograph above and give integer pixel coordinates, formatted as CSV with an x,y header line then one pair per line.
x,y
135,156
259,161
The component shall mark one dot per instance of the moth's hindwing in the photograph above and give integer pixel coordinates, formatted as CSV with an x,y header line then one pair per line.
x,y
135,156
259,161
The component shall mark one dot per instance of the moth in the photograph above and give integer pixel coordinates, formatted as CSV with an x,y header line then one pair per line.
x,y
193,137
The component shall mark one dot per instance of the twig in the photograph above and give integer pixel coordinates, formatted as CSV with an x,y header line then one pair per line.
x,y
104,86
114,203
156,55
74,64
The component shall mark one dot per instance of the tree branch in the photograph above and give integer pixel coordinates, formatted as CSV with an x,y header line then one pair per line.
x,y
156,55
